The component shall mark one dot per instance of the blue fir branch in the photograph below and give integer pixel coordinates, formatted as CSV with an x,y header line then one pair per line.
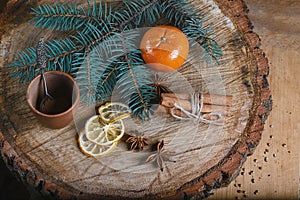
x,y
70,17
94,62
24,65
107,83
178,11
58,53
135,85
110,68
203,37
137,13
135,79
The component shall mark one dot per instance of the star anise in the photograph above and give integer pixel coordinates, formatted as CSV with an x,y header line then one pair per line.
x,y
159,156
138,142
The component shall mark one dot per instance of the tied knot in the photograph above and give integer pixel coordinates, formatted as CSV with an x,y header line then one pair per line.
x,y
196,112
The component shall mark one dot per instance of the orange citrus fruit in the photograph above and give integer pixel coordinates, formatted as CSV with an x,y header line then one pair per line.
x,y
165,48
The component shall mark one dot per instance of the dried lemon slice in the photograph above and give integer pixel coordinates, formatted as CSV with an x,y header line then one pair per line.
x,y
92,149
103,133
113,111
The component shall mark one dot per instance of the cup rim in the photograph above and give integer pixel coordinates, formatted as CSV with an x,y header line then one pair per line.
x,y
59,114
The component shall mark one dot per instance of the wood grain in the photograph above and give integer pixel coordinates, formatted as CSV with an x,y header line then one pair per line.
x,y
207,157
272,172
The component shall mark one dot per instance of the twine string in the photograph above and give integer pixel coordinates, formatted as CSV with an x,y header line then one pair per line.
x,y
196,112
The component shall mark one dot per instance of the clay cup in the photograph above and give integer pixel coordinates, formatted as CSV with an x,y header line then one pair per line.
x,y
57,112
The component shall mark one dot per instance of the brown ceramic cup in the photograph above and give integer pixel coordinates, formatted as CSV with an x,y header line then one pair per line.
x,y
57,112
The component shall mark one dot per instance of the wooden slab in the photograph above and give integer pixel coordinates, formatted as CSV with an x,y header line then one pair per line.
x,y
207,156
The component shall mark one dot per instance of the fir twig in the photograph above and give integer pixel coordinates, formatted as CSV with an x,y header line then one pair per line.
x,y
179,11
203,37
137,13
135,80
107,83
25,66
70,17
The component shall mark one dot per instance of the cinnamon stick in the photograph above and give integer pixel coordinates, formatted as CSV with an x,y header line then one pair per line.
x,y
164,111
212,99
168,101
186,105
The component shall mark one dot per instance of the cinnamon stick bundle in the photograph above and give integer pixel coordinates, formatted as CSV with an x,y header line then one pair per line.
x,y
211,102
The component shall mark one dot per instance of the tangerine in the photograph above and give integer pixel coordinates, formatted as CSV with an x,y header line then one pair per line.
x,y
164,48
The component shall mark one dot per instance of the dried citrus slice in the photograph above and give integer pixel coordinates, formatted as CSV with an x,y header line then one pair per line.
x,y
103,133
92,149
113,111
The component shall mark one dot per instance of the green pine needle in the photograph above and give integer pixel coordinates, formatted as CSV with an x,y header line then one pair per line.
x,y
70,17
25,67
178,11
203,37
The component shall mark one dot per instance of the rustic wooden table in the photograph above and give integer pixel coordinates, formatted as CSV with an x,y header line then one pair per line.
x,y
272,172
